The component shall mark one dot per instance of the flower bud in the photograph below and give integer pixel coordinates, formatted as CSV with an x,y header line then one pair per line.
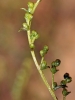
x,y
25,26
53,70
46,48
32,46
43,65
35,34
28,16
54,85
42,53
30,10
30,5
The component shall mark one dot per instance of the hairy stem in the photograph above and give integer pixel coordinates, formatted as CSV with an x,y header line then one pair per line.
x,y
36,4
38,68
64,98
35,60
52,81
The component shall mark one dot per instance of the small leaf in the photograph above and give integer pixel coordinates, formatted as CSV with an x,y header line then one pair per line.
x,y
24,9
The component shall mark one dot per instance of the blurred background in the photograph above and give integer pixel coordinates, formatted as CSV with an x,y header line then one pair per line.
x,y
54,20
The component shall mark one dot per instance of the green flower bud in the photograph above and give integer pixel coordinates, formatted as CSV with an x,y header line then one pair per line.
x,y
46,48
30,10
28,16
32,46
54,84
25,26
53,64
30,5
65,92
42,53
35,34
53,70
63,82
43,65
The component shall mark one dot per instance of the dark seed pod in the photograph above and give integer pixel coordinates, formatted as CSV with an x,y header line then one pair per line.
x,y
69,79
66,75
55,63
63,82
65,92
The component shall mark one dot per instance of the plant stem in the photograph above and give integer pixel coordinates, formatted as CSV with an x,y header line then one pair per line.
x,y
64,98
35,60
36,4
52,81
38,68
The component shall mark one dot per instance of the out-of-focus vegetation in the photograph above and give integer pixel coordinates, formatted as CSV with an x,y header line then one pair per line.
x,y
55,22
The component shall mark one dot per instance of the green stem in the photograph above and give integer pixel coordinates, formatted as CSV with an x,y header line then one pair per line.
x,y
64,98
42,59
38,68
35,60
52,81
36,4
